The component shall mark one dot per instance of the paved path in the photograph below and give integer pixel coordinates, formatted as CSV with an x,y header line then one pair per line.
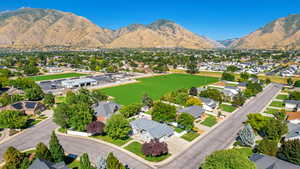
x,y
219,138
223,135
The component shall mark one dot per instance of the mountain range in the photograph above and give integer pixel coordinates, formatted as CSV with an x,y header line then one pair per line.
x,y
32,27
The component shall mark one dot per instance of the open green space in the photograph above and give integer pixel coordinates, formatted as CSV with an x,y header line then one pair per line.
x,y
210,121
277,104
74,164
155,87
56,76
271,111
227,108
190,136
117,142
282,97
136,148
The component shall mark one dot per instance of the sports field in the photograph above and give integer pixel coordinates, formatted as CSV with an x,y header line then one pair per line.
x,y
56,76
155,87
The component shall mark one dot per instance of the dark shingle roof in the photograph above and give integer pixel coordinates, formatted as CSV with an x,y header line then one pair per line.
x,y
195,111
105,109
43,164
267,162
155,129
296,102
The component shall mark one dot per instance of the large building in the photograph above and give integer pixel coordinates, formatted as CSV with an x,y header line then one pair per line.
x,y
82,82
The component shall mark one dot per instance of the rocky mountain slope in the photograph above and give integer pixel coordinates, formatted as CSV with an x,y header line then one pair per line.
x,y
283,33
29,27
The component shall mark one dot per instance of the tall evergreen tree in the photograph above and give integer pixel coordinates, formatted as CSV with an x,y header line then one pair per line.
x,y
113,163
85,162
43,152
56,149
246,136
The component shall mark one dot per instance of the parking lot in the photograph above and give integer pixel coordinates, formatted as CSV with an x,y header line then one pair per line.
x,y
55,86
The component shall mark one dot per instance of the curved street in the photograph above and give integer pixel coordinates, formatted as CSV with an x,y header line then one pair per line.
x,y
219,138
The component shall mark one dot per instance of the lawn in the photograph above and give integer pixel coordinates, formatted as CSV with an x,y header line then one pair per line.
x,y
117,142
277,104
178,130
190,136
282,97
56,76
271,111
227,108
74,165
210,121
136,148
155,87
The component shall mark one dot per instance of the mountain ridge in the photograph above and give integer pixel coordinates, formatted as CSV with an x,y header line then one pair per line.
x,y
36,27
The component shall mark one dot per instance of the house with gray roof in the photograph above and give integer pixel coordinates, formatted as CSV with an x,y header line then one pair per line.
x,y
208,104
231,91
293,105
43,164
293,132
105,109
147,130
195,111
263,161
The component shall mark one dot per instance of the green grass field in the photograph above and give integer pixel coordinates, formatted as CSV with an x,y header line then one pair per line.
x,y
117,142
277,104
209,121
282,97
136,148
56,76
227,108
190,136
155,87
271,111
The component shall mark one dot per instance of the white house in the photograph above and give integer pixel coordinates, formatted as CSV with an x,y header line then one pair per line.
x,y
208,104
147,130
292,105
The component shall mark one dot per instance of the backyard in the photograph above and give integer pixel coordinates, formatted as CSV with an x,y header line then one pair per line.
x,y
155,87
56,76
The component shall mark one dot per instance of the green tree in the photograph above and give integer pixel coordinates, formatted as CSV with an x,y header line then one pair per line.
x,y
186,121
193,101
61,115
13,119
268,81
238,100
49,99
113,163
297,83
275,129
31,69
290,151
34,93
82,116
294,95
97,95
228,76
147,101
269,147
13,158
42,152
57,151
117,127
130,110
163,112
258,121
280,115
232,68
244,76
228,159
212,94
290,81
85,162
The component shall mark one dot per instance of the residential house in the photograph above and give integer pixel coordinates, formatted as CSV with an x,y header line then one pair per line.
x,y
195,111
27,107
292,105
263,161
293,117
105,109
147,130
231,91
242,85
293,132
43,164
208,104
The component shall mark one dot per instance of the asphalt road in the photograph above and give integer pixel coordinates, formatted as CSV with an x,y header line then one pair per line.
x,y
219,138
223,135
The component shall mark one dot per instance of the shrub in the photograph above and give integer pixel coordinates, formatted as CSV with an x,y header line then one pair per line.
x,y
193,91
269,147
155,148
290,151
96,127
117,127
228,76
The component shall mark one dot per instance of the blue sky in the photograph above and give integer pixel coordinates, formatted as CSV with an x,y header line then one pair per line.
x,y
218,19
